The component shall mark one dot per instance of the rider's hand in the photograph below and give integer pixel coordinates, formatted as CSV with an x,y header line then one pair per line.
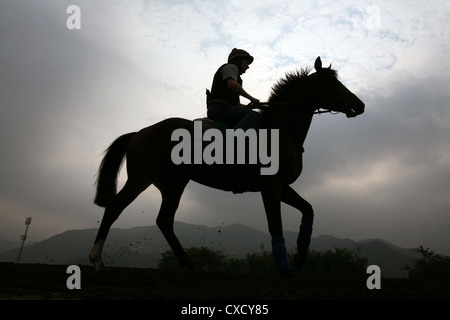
x,y
253,104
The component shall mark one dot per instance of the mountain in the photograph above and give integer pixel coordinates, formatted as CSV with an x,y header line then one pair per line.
x,y
142,246
6,245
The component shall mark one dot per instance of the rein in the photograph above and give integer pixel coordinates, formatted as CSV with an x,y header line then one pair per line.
x,y
266,105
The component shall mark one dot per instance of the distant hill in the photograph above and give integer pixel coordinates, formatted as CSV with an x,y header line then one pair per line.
x,y
142,246
6,245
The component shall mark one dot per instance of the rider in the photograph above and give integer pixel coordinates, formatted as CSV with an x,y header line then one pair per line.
x,y
224,104
223,100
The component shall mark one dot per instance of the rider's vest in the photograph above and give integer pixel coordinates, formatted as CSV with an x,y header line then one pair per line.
x,y
220,91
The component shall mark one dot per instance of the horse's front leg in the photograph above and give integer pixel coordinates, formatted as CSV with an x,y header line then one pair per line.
x,y
271,195
292,198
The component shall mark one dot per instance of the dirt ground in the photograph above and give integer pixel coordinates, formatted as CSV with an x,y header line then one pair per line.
x,y
48,282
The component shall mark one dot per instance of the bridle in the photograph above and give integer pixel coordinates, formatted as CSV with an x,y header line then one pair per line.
x,y
266,105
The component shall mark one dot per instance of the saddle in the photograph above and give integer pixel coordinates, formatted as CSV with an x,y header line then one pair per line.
x,y
208,123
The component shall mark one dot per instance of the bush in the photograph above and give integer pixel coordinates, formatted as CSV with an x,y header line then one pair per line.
x,y
259,262
429,266
203,259
254,263
340,262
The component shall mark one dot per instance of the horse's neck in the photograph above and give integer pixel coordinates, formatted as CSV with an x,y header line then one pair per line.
x,y
305,125
296,125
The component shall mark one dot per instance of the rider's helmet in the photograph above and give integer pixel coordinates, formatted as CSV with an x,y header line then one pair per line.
x,y
239,53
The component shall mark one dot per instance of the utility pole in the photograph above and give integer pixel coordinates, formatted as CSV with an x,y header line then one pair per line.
x,y
24,236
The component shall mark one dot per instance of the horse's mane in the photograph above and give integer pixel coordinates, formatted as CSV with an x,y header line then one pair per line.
x,y
285,88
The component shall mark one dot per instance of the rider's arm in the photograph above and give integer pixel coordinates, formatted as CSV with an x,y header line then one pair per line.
x,y
237,88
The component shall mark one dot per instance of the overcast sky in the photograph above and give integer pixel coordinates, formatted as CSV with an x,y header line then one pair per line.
x,y
66,94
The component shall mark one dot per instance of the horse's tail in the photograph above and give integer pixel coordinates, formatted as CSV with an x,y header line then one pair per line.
x,y
109,170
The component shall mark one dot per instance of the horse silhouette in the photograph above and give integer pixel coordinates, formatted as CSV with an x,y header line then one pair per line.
x,y
293,101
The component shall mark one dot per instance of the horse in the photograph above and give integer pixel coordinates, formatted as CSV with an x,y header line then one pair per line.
x,y
292,103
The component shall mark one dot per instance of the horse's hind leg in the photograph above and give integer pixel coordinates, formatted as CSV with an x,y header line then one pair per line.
x,y
170,201
112,211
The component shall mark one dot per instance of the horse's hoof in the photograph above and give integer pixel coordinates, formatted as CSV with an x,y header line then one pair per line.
x,y
300,259
98,264
95,256
100,268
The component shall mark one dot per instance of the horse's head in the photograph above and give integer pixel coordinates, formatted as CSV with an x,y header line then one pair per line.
x,y
330,94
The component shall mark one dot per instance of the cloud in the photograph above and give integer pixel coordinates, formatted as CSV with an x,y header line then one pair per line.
x,y
66,95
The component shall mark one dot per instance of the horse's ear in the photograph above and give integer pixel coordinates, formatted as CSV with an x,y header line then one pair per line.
x,y
329,66
318,64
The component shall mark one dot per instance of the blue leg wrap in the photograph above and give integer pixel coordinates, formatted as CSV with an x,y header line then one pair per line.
x,y
280,255
304,236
